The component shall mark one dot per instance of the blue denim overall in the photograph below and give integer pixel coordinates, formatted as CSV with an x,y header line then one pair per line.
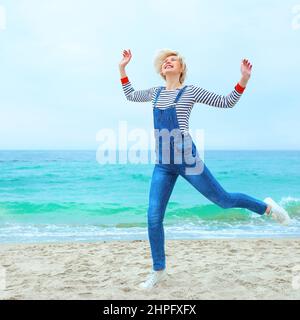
x,y
165,174
172,146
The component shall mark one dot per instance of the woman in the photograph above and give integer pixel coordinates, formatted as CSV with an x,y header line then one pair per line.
x,y
172,105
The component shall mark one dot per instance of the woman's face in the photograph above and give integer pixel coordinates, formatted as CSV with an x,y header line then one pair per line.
x,y
171,65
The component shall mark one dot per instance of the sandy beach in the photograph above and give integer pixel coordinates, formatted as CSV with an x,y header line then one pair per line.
x,y
196,269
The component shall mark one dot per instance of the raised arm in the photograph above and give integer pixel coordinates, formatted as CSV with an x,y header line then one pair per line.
x,y
136,95
130,93
212,99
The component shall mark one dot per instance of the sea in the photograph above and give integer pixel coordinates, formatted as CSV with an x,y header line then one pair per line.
x,y
68,196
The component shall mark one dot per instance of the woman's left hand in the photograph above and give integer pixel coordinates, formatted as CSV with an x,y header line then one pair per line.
x,y
246,68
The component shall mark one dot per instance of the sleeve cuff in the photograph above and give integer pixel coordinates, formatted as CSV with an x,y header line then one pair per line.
x,y
239,88
124,80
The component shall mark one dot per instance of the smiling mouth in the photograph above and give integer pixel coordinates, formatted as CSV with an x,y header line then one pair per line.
x,y
168,67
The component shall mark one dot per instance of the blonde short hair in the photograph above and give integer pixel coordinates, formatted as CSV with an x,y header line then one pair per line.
x,y
162,54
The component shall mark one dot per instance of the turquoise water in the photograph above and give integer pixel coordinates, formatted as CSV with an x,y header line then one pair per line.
x,y
68,196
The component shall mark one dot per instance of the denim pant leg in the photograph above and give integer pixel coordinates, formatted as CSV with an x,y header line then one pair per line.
x,y
211,189
162,184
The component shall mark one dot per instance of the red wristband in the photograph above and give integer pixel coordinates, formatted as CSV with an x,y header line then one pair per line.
x,y
239,88
124,80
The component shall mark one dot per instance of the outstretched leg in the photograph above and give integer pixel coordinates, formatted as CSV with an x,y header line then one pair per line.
x,y
206,183
162,184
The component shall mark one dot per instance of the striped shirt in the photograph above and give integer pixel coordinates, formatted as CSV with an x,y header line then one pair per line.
x,y
190,96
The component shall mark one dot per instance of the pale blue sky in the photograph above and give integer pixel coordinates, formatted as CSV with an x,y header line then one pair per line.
x,y
60,84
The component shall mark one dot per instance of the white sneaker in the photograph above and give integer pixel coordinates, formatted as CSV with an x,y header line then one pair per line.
x,y
278,213
153,278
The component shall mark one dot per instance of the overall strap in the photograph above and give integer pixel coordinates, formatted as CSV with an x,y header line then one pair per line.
x,y
179,94
157,95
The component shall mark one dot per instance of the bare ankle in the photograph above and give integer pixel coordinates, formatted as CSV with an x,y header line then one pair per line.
x,y
268,210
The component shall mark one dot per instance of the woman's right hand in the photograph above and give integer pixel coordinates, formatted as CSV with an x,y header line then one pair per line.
x,y
126,58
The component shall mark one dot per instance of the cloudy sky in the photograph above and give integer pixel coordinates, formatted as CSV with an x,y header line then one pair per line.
x,y
60,84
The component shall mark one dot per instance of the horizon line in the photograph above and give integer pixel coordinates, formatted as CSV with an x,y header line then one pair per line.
x,y
212,149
